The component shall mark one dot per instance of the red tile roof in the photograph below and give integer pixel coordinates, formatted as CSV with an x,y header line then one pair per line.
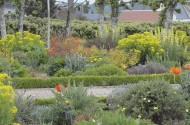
x,y
139,16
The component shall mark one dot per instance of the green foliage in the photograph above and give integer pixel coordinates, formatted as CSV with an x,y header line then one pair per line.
x,y
49,101
13,68
63,73
7,107
73,99
38,26
174,45
55,64
87,80
144,44
132,28
104,70
80,101
75,62
155,100
44,101
25,107
115,118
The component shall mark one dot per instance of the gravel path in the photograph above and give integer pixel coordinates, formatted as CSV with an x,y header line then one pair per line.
x,y
96,91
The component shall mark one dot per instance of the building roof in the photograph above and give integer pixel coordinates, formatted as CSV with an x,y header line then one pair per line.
x,y
8,5
139,16
184,13
138,6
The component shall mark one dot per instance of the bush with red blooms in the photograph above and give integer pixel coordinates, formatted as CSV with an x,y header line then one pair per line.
x,y
60,46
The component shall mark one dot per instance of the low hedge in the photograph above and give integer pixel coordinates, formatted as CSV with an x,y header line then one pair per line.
x,y
19,83
49,101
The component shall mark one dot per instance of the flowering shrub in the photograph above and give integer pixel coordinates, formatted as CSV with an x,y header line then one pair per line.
x,y
155,100
61,46
7,108
145,44
174,45
122,59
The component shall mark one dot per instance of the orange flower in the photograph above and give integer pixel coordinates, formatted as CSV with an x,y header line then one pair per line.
x,y
175,70
187,66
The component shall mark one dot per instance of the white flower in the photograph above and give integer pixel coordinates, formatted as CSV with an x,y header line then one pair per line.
x,y
187,110
139,116
148,101
93,120
155,108
144,98
123,109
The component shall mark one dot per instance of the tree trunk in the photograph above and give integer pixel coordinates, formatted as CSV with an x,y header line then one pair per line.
x,y
101,20
169,19
2,22
48,34
21,23
68,21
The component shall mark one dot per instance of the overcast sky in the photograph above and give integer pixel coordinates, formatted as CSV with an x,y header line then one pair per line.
x,y
91,1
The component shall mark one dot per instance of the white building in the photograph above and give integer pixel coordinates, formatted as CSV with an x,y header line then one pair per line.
x,y
8,8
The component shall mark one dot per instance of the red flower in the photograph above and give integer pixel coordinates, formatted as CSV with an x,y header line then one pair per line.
x,y
58,88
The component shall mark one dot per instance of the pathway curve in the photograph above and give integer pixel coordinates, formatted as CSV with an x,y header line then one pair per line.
x,y
96,91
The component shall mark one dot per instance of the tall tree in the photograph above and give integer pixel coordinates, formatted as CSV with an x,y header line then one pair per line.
x,y
2,20
38,8
115,4
100,5
167,12
48,35
22,12
71,4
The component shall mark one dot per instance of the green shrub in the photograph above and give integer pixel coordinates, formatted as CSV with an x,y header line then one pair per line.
x,y
114,118
25,107
44,101
87,80
145,44
149,68
13,68
7,107
75,100
155,100
63,73
37,25
104,70
75,62
54,64
174,44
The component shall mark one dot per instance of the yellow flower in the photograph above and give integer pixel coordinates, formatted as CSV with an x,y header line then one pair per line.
x,y
66,101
